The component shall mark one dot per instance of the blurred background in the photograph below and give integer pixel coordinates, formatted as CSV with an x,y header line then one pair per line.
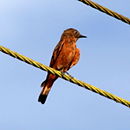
x,y
33,28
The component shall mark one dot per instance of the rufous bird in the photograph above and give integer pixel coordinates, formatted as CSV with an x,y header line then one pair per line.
x,y
65,56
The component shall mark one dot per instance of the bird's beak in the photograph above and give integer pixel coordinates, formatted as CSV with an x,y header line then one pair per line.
x,y
82,36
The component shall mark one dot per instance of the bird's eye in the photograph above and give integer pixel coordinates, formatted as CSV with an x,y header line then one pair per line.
x,y
76,33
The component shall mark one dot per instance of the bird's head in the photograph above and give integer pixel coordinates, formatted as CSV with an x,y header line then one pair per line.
x,y
73,33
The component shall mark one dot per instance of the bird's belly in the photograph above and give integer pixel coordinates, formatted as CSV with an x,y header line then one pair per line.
x,y
65,58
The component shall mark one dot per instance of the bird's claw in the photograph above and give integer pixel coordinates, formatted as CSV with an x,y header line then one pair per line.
x,y
68,74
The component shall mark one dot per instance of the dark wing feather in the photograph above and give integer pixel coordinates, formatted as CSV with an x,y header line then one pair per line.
x,y
56,53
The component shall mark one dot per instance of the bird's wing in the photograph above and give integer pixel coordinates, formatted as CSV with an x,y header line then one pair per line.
x,y
76,58
56,53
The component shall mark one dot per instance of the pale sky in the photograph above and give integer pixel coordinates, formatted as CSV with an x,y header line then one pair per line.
x,y
33,28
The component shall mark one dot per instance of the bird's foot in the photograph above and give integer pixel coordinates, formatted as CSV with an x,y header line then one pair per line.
x,y
69,74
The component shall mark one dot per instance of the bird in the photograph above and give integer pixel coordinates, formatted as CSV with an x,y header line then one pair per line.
x,y
64,57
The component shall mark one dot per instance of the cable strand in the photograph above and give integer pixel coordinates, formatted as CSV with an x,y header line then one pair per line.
x,y
106,10
65,76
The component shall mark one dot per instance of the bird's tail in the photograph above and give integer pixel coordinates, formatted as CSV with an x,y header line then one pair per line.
x,y
46,85
45,91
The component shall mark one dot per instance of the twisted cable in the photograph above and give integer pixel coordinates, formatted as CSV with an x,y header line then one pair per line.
x,y
64,76
106,10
